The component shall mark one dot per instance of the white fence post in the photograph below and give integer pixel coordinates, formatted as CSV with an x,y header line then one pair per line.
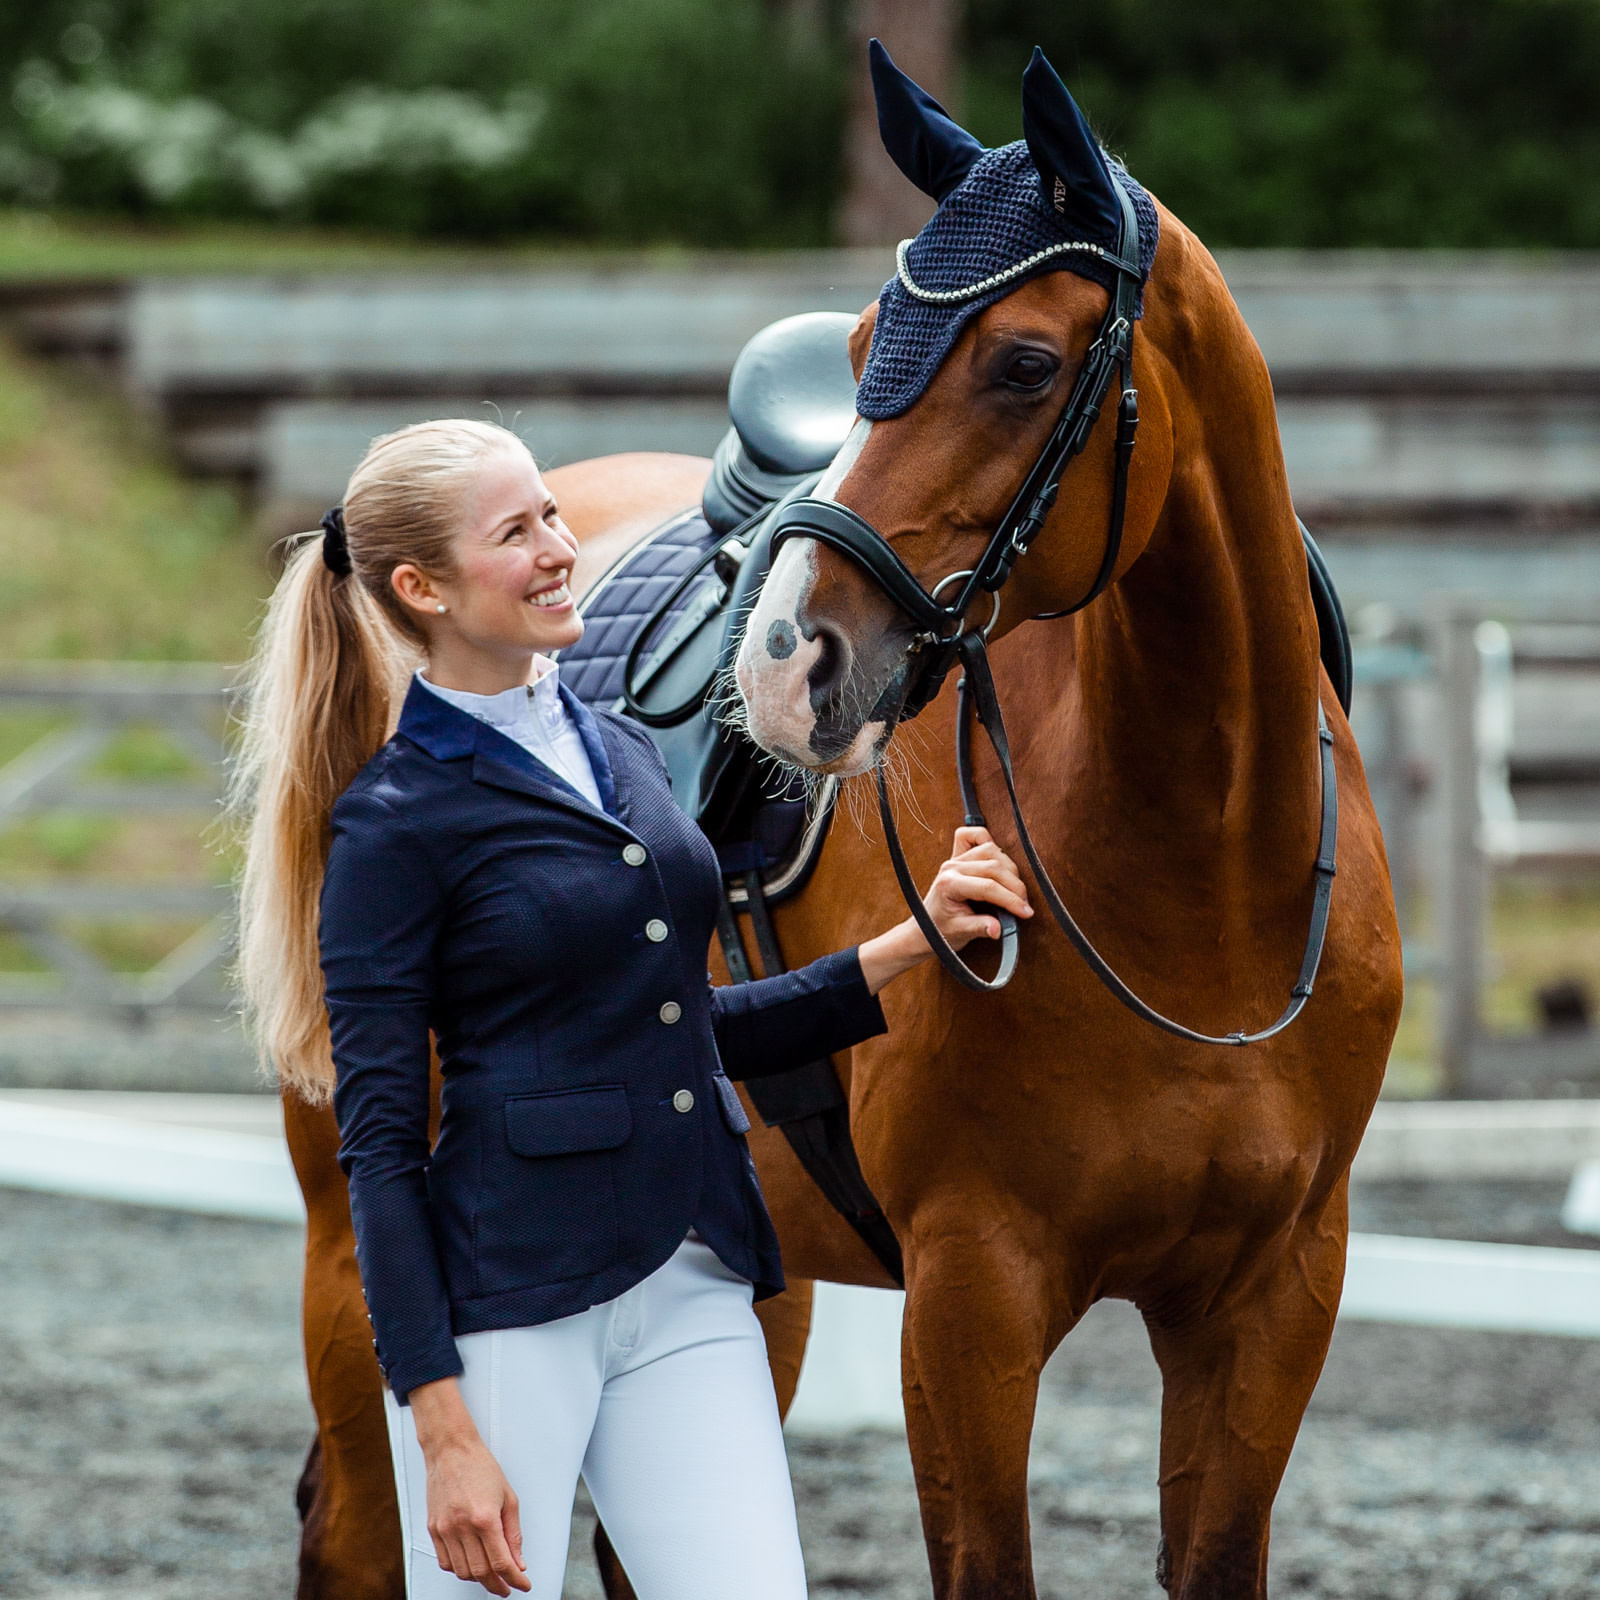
x,y
1461,897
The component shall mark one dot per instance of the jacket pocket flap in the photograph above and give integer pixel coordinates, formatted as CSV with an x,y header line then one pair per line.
x,y
565,1121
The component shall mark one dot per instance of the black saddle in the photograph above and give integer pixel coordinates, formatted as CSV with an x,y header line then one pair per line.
x,y
662,628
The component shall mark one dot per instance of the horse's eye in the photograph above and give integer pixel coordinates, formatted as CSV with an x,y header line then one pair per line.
x,y
1029,369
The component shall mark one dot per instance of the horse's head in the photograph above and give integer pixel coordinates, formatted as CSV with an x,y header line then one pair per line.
x,y
958,394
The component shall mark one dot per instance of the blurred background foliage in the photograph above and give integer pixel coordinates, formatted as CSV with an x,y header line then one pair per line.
x,y
719,122
704,121
1404,123
1350,122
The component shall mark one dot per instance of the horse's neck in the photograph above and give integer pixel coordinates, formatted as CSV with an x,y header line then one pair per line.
x,y
1197,685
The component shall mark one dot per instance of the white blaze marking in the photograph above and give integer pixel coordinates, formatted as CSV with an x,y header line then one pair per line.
x,y
776,694
855,442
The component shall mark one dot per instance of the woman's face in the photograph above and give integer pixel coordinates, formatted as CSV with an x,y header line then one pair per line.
x,y
513,556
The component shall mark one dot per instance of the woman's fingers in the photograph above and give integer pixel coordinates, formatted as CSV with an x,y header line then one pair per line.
x,y
501,1571
511,1522
959,931
987,851
477,1550
1009,895
483,1558
453,1555
511,1565
979,875
1002,869
980,849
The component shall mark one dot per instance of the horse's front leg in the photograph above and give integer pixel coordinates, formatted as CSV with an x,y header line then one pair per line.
x,y
1235,1383
975,1339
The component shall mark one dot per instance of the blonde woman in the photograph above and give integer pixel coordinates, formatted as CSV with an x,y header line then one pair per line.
x,y
562,1282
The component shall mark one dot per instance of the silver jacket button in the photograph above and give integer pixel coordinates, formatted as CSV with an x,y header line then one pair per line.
x,y
655,930
670,1011
634,854
683,1100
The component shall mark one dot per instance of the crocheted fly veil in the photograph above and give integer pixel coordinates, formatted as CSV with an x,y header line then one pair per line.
x,y
1043,204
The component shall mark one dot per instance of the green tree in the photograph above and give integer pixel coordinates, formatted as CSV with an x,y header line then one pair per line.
x,y
1352,122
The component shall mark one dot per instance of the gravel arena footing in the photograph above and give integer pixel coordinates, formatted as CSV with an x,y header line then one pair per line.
x,y
153,1420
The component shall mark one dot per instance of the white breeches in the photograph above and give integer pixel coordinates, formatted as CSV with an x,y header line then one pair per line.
x,y
663,1400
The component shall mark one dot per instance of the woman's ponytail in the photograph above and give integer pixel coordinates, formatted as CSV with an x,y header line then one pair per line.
x,y
323,691
326,672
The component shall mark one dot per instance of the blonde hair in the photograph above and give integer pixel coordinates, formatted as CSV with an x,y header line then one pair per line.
x,y
322,692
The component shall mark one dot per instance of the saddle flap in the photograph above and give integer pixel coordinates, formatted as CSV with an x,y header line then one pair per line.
x,y
1333,632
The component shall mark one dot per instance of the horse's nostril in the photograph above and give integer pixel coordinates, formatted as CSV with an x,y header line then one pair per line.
x,y
781,639
827,674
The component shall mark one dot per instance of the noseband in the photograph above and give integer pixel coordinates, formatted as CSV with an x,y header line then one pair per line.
x,y
943,638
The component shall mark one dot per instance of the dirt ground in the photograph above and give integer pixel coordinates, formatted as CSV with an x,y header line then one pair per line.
x,y
153,1419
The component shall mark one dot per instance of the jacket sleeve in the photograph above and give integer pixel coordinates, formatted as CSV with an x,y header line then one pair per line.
x,y
773,1024
380,917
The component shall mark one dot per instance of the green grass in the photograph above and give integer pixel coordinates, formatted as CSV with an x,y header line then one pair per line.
x,y
111,555
17,958
158,846
61,247
21,730
130,946
1539,930
108,553
55,841
145,751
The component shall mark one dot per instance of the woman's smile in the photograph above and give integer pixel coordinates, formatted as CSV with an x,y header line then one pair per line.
x,y
553,597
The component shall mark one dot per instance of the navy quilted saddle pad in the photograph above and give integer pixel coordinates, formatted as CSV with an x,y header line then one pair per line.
x,y
672,604
624,599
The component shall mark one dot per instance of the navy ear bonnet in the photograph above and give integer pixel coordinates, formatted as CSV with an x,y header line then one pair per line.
x,y
998,210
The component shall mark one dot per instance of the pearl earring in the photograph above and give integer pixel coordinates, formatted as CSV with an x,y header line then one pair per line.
x,y
439,607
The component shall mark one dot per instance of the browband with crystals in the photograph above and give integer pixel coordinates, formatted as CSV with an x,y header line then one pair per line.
x,y
950,297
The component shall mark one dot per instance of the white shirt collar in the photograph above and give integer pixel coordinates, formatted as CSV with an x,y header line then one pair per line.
x,y
509,707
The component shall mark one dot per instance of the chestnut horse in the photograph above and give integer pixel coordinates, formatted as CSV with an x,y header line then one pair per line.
x,y
1042,1148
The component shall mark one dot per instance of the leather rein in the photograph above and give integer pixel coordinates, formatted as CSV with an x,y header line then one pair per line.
x,y
943,638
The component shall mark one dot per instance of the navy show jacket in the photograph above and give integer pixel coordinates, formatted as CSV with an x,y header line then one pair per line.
x,y
558,953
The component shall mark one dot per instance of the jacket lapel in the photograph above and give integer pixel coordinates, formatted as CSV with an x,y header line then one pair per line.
x,y
502,763
448,733
609,755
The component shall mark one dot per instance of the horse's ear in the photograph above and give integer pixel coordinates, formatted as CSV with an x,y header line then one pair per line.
x,y
1072,172
927,144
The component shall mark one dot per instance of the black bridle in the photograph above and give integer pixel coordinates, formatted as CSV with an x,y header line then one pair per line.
x,y
943,638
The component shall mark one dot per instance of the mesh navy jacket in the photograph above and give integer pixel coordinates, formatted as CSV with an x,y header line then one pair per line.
x,y
558,953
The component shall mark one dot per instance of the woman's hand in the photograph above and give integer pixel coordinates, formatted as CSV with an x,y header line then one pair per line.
x,y
472,1510
978,870
979,873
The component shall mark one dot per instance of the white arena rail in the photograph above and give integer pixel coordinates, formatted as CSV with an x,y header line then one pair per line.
x,y
224,1155
163,1154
